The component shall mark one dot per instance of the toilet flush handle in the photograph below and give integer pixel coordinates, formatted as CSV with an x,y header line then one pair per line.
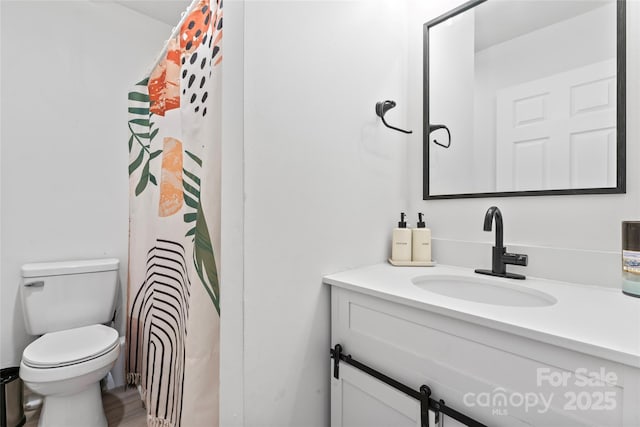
x,y
36,284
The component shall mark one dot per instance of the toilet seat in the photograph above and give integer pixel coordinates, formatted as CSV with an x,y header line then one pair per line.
x,y
70,372
70,347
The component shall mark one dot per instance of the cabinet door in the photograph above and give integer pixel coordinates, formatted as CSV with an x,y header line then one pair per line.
x,y
488,375
359,400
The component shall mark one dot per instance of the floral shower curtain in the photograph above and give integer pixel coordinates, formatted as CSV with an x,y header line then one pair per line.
x,y
174,226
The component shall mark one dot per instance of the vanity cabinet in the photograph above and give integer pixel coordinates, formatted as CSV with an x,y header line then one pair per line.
x,y
498,377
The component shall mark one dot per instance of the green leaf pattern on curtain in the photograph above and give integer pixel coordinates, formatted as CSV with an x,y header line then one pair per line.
x,y
204,259
142,132
203,256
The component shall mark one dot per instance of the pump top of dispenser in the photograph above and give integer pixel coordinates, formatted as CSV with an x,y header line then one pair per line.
x,y
402,223
421,223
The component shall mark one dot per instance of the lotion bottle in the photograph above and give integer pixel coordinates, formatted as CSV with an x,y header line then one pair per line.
x,y
421,246
401,244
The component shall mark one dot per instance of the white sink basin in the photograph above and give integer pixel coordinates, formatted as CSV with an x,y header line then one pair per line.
x,y
496,291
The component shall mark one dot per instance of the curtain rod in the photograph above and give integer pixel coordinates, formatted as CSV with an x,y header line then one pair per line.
x,y
174,33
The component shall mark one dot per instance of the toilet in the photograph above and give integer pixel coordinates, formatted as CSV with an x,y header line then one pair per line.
x,y
69,304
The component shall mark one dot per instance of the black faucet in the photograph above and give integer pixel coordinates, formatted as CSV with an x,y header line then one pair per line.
x,y
500,258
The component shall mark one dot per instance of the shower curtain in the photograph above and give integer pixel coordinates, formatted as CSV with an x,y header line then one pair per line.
x,y
174,226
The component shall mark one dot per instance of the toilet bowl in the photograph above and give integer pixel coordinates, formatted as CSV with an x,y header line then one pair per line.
x,y
66,368
68,304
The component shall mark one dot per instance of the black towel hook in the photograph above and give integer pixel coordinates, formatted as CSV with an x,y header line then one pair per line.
x,y
433,128
381,110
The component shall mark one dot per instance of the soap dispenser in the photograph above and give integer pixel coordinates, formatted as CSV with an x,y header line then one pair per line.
x,y
421,246
401,244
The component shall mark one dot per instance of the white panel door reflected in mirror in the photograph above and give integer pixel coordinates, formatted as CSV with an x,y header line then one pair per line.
x,y
532,96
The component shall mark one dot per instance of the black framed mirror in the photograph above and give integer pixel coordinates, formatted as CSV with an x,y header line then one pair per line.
x,y
525,98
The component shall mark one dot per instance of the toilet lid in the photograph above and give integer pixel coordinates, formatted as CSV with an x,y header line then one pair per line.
x,y
70,346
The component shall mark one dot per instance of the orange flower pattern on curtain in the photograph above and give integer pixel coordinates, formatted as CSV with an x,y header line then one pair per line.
x,y
164,82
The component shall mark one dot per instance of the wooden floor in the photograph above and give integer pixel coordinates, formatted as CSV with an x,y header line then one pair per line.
x,y
122,407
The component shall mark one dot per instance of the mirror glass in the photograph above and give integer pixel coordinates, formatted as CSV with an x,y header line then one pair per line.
x,y
524,98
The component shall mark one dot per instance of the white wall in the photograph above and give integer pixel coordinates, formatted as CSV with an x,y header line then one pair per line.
x,y
232,224
324,184
574,238
66,69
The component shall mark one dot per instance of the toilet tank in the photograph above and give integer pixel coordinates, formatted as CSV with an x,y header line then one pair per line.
x,y
69,294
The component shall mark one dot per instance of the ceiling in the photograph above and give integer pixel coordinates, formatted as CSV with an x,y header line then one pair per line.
x,y
167,11
498,21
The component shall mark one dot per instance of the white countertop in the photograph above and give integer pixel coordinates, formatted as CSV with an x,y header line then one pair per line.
x,y
602,322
